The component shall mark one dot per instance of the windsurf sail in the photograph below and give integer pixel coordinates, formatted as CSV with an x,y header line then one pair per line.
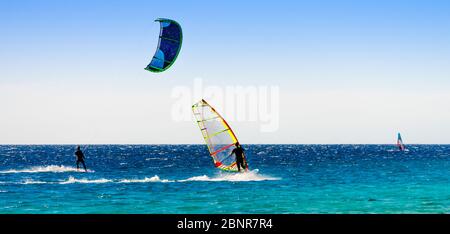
x,y
169,45
218,136
400,144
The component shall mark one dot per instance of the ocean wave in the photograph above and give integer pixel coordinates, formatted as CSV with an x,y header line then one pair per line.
x,y
42,169
145,180
162,159
237,177
30,181
73,180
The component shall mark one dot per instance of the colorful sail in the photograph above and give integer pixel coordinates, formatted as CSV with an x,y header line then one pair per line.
x,y
169,46
218,136
400,144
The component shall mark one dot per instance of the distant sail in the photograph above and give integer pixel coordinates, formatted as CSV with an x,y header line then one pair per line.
x,y
400,144
218,136
169,46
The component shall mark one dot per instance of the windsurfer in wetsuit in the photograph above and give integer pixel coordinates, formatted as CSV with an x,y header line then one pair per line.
x,y
80,158
239,152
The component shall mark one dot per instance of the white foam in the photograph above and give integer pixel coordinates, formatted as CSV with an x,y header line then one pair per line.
x,y
235,177
73,180
224,177
30,181
162,159
145,180
41,169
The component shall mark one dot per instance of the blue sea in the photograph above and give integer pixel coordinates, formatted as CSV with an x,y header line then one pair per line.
x,y
170,179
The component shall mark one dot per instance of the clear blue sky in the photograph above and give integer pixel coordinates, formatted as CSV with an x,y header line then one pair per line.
x,y
348,71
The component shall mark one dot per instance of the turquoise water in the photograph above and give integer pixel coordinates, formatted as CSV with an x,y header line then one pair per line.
x,y
181,179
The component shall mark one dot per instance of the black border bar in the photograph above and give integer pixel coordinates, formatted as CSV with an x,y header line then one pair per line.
x,y
278,223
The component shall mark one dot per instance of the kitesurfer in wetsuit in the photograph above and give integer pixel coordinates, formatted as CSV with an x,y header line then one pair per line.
x,y
80,158
239,152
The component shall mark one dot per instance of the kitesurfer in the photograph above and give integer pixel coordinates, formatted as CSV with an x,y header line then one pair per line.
x,y
239,152
80,158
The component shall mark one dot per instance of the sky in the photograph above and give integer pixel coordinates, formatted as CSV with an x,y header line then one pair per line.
x,y
348,72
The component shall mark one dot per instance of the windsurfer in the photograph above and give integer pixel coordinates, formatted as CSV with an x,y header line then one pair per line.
x,y
80,158
239,152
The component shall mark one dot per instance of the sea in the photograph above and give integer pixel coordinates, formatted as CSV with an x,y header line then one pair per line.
x,y
181,179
